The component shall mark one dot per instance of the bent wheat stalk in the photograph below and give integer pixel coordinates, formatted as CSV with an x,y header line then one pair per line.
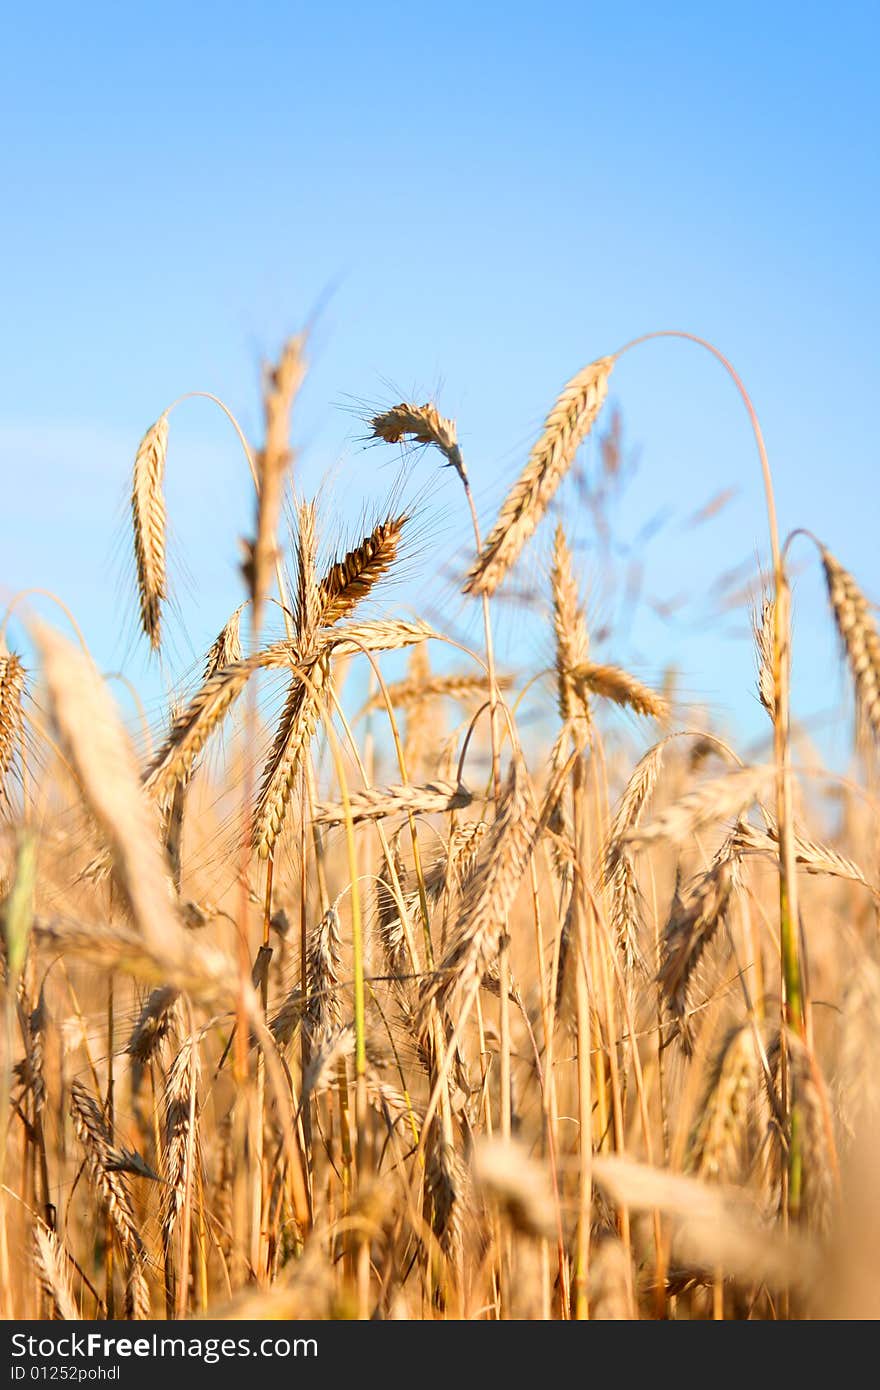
x,y
793,1004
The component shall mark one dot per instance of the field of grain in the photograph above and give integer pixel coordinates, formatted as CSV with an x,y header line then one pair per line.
x,y
347,994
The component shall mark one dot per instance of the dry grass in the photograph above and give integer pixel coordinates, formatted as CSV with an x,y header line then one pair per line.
x,y
317,1015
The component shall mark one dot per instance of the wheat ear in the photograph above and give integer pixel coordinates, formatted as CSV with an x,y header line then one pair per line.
x,y
52,1270
692,924
296,728
93,1134
861,640
375,803
481,918
11,691
181,1114
565,428
572,638
148,521
348,581
613,683
322,1013
225,650
732,1114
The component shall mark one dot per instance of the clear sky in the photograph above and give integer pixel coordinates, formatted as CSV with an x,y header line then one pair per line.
x,y
478,198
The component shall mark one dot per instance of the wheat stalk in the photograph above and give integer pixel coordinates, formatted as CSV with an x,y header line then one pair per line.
x,y
287,1018
137,1295
333,1049
764,626
811,1204
633,802
619,871
445,1185
35,1038
389,922
200,971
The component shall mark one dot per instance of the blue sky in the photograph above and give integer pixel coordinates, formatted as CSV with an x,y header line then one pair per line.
x,y
479,199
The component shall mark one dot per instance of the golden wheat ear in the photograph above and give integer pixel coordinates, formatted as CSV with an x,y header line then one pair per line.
x,y
613,683
293,736
321,1012
858,632
565,429
52,1264
225,650
350,580
181,1115
148,524
307,601
572,638
419,424
375,803
11,692
732,1115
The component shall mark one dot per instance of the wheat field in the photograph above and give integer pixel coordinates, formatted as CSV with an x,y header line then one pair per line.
x,y
347,990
